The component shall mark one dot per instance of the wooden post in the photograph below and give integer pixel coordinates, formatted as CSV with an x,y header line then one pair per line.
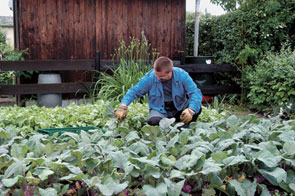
x,y
182,57
97,61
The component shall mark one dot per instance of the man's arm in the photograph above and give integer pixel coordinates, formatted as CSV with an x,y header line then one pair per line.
x,y
194,93
138,90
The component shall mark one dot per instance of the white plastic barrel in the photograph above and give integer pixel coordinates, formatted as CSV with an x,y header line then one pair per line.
x,y
49,100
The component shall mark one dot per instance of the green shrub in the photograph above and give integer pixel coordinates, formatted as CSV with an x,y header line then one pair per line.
x,y
271,82
261,25
8,54
242,36
134,62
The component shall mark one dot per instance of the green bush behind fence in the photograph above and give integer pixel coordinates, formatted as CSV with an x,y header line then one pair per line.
x,y
261,25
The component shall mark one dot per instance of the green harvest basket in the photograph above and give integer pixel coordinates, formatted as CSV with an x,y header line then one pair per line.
x,y
51,131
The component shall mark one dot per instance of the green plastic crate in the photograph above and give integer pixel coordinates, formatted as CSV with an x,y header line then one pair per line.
x,y
51,131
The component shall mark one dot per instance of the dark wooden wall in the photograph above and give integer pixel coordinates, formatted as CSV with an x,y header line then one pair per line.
x,y
75,29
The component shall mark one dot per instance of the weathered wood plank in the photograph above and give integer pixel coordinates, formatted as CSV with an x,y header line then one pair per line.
x,y
88,64
25,89
179,28
147,15
208,68
47,65
219,90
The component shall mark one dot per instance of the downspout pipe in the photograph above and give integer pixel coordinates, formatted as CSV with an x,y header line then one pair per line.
x,y
197,19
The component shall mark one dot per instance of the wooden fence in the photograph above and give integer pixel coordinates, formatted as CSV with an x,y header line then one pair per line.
x,y
98,65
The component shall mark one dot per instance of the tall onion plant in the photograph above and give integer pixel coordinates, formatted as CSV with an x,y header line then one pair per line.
x,y
134,61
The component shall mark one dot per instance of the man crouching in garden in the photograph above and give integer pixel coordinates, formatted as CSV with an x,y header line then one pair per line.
x,y
171,93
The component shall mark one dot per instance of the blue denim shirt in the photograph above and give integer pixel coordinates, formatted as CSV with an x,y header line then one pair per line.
x,y
183,89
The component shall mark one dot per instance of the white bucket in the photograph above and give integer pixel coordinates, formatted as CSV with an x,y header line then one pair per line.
x,y
49,100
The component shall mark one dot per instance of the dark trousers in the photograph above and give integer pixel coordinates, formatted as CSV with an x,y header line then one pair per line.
x,y
155,117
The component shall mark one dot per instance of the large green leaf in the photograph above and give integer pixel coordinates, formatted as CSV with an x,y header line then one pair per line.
x,y
61,189
133,135
274,176
152,171
290,176
85,138
160,190
17,168
146,160
188,161
238,187
185,162
271,147
73,169
161,146
289,147
173,141
292,186
215,180
264,189
183,139
111,187
211,167
71,177
5,134
19,151
140,147
224,144
219,156
208,192
290,161
3,150
119,159
174,189
168,160
241,134
47,192
244,189
165,123
9,182
45,173
152,131
268,158
234,160
176,174
250,187
29,177
288,135
74,136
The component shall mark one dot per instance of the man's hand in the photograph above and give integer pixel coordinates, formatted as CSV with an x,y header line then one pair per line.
x,y
187,115
121,112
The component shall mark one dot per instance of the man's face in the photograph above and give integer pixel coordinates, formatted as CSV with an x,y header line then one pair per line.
x,y
164,74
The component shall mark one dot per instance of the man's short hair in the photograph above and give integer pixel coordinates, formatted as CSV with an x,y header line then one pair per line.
x,y
162,62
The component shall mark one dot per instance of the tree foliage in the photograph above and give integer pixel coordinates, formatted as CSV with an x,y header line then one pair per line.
x,y
228,5
260,25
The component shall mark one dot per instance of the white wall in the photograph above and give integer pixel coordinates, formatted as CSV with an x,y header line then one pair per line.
x,y
8,30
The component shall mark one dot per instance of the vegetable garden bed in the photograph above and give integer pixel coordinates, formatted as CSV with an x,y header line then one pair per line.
x,y
225,156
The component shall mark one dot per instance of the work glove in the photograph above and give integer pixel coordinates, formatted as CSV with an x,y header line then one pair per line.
x,y
121,112
187,115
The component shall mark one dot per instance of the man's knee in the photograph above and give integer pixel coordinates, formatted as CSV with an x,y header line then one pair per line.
x,y
154,120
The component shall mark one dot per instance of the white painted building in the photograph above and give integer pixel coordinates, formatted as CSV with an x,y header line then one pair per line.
x,y
6,25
